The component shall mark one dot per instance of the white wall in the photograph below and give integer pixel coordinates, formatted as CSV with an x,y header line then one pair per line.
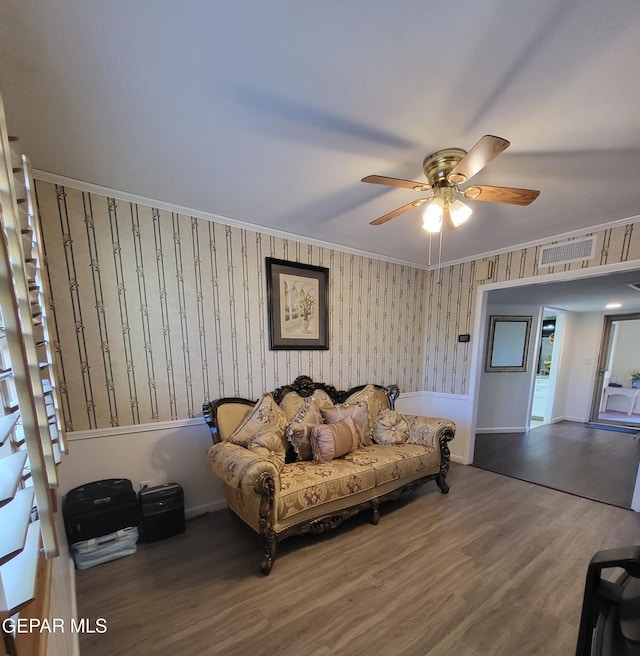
x,y
504,397
584,339
456,407
160,453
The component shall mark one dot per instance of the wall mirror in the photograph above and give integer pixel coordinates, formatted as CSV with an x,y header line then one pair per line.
x,y
508,343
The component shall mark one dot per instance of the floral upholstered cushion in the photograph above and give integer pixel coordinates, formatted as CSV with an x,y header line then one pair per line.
x,y
357,411
376,400
392,462
265,415
329,441
268,444
299,430
391,428
305,485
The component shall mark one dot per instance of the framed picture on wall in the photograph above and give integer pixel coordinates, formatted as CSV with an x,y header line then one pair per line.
x,y
298,305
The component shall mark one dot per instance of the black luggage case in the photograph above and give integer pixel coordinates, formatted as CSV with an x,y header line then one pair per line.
x,y
162,509
99,508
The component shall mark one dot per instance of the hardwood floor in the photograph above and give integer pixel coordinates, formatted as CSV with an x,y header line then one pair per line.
x,y
494,568
594,463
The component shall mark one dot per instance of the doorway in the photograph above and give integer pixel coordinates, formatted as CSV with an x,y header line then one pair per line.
x,y
616,399
546,369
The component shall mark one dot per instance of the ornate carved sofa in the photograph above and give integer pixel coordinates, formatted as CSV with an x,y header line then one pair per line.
x,y
307,456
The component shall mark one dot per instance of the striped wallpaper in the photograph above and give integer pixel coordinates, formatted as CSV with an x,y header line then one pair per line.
x,y
451,304
157,312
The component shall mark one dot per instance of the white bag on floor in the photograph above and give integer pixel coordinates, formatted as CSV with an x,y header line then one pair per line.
x,y
104,548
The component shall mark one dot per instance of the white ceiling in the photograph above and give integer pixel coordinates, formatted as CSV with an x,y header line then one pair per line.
x,y
589,294
270,113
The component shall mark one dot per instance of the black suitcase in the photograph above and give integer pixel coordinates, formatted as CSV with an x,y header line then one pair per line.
x,y
99,508
162,510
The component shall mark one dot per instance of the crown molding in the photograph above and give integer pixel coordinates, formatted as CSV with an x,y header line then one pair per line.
x,y
91,188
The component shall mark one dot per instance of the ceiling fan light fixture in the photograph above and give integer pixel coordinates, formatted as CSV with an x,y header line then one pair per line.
x,y
459,212
432,215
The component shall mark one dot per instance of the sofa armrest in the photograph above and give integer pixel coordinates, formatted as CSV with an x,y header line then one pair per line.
x,y
239,467
253,484
435,432
429,431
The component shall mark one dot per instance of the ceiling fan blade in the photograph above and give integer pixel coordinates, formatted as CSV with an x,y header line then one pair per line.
x,y
397,182
400,210
509,195
475,160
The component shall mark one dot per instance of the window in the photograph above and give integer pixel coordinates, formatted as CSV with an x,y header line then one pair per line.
x,y
31,435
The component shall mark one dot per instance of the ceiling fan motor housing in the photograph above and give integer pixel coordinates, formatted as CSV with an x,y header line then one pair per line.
x,y
438,165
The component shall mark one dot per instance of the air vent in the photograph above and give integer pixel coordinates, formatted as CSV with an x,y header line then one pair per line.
x,y
569,251
635,285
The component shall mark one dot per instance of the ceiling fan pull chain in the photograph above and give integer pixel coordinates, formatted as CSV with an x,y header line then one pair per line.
x,y
439,280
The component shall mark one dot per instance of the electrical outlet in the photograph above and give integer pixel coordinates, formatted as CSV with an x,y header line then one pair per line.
x,y
144,485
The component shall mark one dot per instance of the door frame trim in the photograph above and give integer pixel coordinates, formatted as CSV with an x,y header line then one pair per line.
x,y
608,321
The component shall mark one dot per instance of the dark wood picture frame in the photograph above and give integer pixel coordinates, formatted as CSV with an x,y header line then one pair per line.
x,y
298,305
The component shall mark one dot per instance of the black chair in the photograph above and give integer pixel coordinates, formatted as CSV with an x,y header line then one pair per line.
x,y
610,620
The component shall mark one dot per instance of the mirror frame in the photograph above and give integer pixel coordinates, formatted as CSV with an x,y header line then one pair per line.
x,y
518,354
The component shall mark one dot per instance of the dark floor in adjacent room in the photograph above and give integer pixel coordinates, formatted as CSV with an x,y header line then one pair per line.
x,y
568,456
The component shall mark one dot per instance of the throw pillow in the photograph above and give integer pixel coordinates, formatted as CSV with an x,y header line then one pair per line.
x,y
292,402
265,415
268,444
357,411
376,401
322,399
299,430
329,441
391,428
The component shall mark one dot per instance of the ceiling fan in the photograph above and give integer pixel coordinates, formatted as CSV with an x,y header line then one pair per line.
x,y
445,170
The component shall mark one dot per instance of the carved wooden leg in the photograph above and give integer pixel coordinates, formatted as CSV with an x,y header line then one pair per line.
x,y
375,511
265,486
445,457
269,555
441,483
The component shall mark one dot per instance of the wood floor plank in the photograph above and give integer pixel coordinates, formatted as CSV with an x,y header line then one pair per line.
x,y
496,567
569,456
